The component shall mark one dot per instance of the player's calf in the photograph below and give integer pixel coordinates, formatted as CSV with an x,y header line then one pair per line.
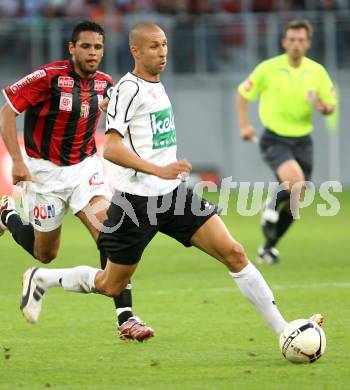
x,y
109,289
114,278
22,232
45,255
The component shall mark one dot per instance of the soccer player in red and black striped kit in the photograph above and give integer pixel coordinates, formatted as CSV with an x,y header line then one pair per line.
x,y
61,101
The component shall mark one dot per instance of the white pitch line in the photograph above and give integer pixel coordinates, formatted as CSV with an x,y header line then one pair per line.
x,y
233,289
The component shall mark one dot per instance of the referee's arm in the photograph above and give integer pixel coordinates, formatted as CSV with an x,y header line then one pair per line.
x,y
247,132
326,99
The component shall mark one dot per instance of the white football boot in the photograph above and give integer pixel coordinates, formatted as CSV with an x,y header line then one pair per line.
x,y
32,296
317,318
268,214
268,255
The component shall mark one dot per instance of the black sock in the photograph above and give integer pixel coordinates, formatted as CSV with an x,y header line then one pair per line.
x,y
280,197
279,229
22,232
124,299
270,233
284,222
271,230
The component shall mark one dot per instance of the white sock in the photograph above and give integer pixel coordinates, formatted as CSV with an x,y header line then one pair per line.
x,y
121,310
254,287
78,279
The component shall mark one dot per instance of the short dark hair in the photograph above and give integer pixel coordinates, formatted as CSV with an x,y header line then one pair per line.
x,y
297,25
86,25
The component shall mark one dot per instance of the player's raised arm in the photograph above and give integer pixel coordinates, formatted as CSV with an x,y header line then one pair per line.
x,y
117,153
8,132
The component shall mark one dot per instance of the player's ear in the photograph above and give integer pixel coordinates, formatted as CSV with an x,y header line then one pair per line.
x,y
71,48
134,51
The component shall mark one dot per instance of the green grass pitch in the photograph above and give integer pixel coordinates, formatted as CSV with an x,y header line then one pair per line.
x,y
207,335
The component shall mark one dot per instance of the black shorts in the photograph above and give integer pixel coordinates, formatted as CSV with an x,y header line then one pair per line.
x,y
276,150
132,222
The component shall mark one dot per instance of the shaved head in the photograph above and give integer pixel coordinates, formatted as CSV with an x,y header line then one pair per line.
x,y
149,47
142,30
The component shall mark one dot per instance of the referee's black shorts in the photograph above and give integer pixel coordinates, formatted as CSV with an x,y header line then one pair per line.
x,y
132,222
276,149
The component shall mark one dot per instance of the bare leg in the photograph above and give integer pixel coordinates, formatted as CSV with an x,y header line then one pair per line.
x,y
92,216
214,239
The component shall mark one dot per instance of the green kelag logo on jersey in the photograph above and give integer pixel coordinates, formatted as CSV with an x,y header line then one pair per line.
x,y
163,128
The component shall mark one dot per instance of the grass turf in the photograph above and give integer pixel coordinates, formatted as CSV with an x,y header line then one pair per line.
x,y
207,335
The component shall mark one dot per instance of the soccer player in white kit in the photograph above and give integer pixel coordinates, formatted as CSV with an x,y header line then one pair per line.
x,y
141,139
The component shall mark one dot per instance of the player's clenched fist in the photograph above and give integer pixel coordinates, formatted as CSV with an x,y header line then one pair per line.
x,y
173,170
247,133
323,108
20,172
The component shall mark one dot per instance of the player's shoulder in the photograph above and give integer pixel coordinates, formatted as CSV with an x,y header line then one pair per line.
x,y
38,77
45,71
129,78
104,76
128,83
57,67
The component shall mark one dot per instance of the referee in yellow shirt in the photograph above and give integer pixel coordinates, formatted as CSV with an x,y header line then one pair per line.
x,y
289,87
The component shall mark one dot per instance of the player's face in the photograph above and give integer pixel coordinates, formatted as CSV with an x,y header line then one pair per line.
x,y
296,43
87,52
152,54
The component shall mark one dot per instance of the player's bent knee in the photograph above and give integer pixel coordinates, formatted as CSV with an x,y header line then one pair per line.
x,y
110,285
236,250
236,258
110,291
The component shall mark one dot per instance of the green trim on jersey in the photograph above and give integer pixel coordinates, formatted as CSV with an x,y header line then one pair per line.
x,y
287,94
163,128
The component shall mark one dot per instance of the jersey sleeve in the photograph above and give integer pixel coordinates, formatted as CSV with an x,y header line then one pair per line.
x,y
251,87
109,89
327,91
29,91
122,106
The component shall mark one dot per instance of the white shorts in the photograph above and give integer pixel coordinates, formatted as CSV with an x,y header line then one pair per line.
x,y
53,189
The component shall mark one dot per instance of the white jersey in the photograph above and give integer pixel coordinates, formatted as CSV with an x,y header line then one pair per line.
x,y
141,112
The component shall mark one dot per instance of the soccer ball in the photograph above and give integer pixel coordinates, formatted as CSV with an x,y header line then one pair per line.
x,y
302,341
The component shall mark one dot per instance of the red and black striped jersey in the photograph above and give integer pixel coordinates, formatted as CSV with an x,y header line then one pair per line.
x,y
61,111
